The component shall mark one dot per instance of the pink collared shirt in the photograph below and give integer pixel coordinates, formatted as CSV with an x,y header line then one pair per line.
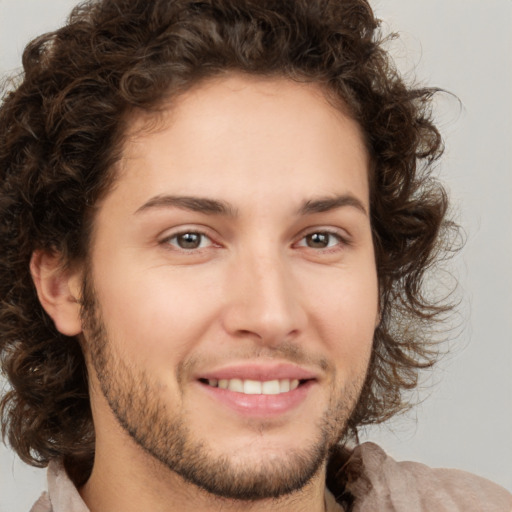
x,y
376,482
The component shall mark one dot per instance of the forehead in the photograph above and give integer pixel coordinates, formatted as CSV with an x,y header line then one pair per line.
x,y
212,94
273,135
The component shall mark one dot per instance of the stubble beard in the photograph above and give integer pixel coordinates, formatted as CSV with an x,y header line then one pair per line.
x,y
134,401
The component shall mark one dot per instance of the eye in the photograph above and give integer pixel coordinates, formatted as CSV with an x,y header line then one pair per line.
x,y
189,240
321,240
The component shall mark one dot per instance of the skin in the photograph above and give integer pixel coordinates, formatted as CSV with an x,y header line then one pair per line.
x,y
260,289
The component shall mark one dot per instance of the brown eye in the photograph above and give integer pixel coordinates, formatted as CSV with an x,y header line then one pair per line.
x,y
317,240
189,240
320,240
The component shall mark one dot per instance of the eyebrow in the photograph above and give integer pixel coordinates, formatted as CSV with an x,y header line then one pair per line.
x,y
325,204
217,207
195,204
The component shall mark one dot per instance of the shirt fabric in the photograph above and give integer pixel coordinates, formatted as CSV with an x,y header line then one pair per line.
x,y
374,482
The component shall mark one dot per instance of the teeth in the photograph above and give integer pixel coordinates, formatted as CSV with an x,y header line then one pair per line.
x,y
236,385
252,387
256,387
270,387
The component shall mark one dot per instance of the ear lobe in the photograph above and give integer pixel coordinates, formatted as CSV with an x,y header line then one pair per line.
x,y
58,290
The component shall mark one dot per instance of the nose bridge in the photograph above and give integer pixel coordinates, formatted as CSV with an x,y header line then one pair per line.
x,y
263,298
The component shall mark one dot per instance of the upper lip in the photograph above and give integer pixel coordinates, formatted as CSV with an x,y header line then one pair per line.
x,y
259,371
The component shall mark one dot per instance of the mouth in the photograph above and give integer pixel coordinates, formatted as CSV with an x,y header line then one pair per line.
x,y
256,387
260,391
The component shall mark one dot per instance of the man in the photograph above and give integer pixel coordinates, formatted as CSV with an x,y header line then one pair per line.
x,y
216,218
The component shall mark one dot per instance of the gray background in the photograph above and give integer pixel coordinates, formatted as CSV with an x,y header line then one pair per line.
x,y
464,46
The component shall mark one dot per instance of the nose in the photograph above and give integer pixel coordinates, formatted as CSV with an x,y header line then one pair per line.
x,y
264,301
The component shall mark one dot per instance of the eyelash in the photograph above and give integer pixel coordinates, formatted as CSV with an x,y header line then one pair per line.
x,y
175,236
340,240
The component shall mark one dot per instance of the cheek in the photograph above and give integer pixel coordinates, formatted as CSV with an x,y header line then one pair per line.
x,y
345,312
156,312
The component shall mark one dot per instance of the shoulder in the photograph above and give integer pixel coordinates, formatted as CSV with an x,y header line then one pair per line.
x,y
378,482
62,495
43,504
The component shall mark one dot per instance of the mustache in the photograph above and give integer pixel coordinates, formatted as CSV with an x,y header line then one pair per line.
x,y
284,352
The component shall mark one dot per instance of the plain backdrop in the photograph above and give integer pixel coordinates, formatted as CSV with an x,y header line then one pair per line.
x,y
464,46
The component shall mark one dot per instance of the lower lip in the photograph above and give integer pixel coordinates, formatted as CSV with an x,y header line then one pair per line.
x,y
260,405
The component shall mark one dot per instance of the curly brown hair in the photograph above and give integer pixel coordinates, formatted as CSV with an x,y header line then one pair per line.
x,y
61,130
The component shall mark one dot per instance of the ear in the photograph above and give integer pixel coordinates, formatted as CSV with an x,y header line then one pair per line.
x,y
58,290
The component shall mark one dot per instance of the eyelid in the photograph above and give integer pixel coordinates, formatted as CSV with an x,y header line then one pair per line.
x,y
182,230
339,233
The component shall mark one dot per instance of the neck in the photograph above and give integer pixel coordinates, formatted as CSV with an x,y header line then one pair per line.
x,y
130,486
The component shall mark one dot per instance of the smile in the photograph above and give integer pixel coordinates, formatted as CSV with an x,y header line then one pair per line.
x,y
255,387
259,390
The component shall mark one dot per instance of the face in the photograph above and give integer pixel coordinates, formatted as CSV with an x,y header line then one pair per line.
x,y
232,294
